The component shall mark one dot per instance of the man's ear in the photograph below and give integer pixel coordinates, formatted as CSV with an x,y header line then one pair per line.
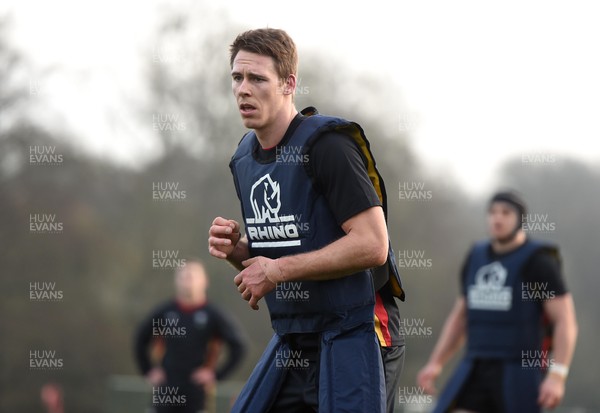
x,y
289,85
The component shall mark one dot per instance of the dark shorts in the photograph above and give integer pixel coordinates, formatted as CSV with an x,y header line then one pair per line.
x,y
483,390
299,391
393,362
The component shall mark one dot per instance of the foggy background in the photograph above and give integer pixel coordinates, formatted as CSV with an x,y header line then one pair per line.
x,y
85,140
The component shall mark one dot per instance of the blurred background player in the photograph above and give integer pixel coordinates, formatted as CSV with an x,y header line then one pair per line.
x,y
510,285
189,332
51,395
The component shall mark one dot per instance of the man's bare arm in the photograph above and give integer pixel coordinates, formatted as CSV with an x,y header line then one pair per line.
x,y
450,340
561,312
365,245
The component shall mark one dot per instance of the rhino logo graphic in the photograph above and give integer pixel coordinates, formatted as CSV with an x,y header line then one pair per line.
x,y
269,229
489,291
265,200
492,276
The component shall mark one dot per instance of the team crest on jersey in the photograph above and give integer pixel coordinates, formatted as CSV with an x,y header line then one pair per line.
x,y
172,316
268,228
489,291
200,319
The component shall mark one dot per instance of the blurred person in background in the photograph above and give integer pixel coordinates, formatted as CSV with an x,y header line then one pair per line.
x,y
188,333
52,398
513,307
316,245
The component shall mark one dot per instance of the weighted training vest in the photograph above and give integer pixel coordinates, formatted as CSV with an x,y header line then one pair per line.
x,y
284,215
503,317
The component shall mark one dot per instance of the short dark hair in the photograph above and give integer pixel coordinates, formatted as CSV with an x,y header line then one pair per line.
x,y
275,43
513,198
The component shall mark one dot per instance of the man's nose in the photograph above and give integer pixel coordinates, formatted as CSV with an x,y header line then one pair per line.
x,y
244,88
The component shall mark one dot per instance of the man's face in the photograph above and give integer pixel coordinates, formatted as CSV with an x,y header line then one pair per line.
x,y
260,94
503,218
190,279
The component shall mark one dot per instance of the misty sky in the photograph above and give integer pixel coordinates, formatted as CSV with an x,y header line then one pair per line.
x,y
481,81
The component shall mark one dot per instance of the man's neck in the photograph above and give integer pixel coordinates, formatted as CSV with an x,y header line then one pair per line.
x,y
504,247
270,136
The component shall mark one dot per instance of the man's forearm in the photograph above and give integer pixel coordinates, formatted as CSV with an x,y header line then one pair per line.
x,y
564,339
343,257
452,336
141,344
235,355
561,312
